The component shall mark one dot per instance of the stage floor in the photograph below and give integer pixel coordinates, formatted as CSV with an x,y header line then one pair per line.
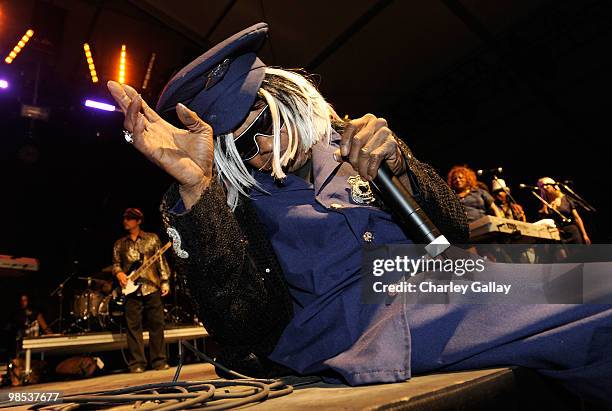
x,y
499,389
119,380
408,395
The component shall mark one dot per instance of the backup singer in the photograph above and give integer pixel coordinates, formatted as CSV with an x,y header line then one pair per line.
x,y
269,217
476,201
146,301
506,206
572,229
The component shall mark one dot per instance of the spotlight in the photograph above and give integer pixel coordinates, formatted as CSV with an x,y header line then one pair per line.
x,y
122,65
100,106
145,83
90,63
4,84
19,46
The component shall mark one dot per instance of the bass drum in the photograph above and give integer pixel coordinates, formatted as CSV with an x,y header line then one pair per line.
x,y
87,303
111,312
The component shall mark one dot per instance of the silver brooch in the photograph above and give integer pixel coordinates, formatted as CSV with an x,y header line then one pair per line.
x,y
176,243
361,193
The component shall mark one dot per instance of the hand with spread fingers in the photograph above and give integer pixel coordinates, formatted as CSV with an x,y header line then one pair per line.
x,y
367,142
187,155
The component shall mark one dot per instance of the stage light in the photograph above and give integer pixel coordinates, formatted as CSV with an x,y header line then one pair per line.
x,y
19,46
122,65
100,106
3,84
90,63
145,82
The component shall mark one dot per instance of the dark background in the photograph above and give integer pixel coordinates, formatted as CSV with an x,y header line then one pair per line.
x,y
523,84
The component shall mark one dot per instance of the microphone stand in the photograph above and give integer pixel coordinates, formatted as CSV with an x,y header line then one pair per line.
x,y
59,291
583,203
547,204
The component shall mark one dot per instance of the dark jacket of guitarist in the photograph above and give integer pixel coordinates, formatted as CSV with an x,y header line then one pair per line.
x,y
128,254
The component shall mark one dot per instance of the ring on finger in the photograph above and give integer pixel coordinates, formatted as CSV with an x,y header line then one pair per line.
x,y
128,136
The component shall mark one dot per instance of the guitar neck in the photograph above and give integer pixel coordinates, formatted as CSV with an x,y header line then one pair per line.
x,y
149,262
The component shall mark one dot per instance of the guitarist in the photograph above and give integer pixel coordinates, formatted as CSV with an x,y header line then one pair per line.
x,y
128,253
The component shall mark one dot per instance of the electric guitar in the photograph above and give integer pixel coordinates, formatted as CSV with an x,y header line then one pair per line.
x,y
132,284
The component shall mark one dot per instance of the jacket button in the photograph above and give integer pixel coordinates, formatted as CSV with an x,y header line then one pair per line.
x,y
368,237
335,206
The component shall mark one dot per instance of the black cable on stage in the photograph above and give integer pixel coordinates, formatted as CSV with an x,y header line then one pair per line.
x,y
211,395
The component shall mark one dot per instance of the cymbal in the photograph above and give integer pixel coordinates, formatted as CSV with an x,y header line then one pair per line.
x,y
92,279
106,273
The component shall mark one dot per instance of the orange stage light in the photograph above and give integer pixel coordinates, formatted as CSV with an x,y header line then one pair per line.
x,y
19,46
90,63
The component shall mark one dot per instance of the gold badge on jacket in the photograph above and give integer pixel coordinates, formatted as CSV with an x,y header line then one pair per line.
x,y
361,193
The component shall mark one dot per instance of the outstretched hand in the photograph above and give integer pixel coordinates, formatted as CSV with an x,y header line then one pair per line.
x,y
187,155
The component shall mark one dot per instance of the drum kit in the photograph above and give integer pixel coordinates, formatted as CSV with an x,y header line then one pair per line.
x,y
100,306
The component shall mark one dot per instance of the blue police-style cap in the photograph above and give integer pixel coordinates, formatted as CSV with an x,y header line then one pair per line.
x,y
221,84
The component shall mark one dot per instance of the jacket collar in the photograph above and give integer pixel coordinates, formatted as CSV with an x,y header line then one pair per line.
x,y
323,167
323,163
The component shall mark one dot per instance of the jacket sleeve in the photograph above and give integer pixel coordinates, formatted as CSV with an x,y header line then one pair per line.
x,y
236,284
117,258
439,202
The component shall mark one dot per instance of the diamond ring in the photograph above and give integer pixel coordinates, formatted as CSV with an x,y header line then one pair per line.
x,y
128,136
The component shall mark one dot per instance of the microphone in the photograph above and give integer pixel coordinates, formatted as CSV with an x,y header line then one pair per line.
x,y
404,205
526,186
490,171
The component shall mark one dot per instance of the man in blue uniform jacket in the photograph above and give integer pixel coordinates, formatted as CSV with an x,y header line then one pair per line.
x,y
269,216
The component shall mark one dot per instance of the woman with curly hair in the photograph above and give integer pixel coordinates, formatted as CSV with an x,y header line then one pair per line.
x,y
476,201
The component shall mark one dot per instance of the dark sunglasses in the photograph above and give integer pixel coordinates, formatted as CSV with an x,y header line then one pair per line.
x,y
246,142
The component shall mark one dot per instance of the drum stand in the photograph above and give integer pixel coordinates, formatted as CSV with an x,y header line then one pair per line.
x,y
177,314
59,291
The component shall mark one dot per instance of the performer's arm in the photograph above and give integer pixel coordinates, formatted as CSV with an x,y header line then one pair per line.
x,y
520,212
367,141
436,197
496,211
117,269
43,324
489,203
240,294
580,225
